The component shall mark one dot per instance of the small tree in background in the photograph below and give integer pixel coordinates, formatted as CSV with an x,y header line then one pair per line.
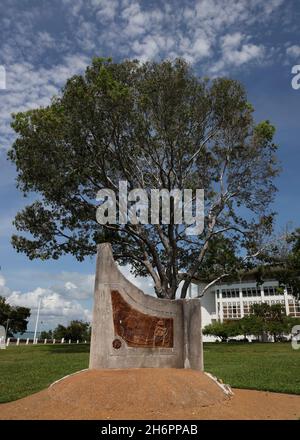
x,y
76,330
265,320
278,328
14,318
60,332
46,334
222,330
250,325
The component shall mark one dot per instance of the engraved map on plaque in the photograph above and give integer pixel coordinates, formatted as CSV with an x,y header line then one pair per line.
x,y
139,329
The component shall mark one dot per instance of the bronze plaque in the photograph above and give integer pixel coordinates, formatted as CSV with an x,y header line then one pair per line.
x,y
139,329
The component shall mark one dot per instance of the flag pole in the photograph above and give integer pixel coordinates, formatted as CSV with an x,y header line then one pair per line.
x,y
37,321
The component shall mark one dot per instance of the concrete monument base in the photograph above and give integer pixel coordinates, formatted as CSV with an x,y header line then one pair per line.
x,y
134,330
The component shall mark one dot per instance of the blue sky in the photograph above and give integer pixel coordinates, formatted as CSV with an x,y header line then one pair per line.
x,y
43,42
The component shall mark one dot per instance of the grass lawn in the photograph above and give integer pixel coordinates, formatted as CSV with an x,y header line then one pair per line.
x,y
273,367
27,369
270,367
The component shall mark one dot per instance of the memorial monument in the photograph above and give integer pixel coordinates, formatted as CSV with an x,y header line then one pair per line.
x,y
134,330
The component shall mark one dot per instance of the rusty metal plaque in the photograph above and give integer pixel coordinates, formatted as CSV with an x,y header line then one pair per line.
x,y
138,329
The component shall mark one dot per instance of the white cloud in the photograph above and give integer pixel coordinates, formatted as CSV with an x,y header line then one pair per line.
x,y
200,48
55,308
231,41
65,298
192,30
293,51
74,285
73,6
246,53
217,33
4,290
235,52
70,286
271,5
147,49
45,40
105,10
29,87
143,283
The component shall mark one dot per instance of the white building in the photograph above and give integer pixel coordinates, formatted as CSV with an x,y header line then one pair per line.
x,y
233,301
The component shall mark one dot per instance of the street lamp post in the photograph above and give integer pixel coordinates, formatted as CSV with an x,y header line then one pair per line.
x,y
6,330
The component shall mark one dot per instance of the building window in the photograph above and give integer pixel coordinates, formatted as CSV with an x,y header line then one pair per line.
x,y
294,308
231,310
250,292
272,290
247,307
230,293
266,291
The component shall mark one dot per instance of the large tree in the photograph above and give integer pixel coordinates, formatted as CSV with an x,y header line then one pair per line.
x,y
155,125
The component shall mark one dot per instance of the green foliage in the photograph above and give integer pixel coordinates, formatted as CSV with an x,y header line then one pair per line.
x,y
46,334
222,330
155,125
16,317
279,328
250,325
265,131
265,320
282,262
76,330
273,318
221,257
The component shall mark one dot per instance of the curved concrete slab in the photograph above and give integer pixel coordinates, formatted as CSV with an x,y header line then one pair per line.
x,y
134,330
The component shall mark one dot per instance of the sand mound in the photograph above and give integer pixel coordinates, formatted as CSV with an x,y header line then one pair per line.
x,y
146,390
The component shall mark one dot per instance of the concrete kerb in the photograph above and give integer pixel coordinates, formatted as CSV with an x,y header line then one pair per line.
x,y
224,387
68,375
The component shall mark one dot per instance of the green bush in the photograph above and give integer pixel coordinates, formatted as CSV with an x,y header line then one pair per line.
x,y
222,330
266,320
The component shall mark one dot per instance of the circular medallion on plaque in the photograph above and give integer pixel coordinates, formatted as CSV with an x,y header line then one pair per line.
x,y
117,344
